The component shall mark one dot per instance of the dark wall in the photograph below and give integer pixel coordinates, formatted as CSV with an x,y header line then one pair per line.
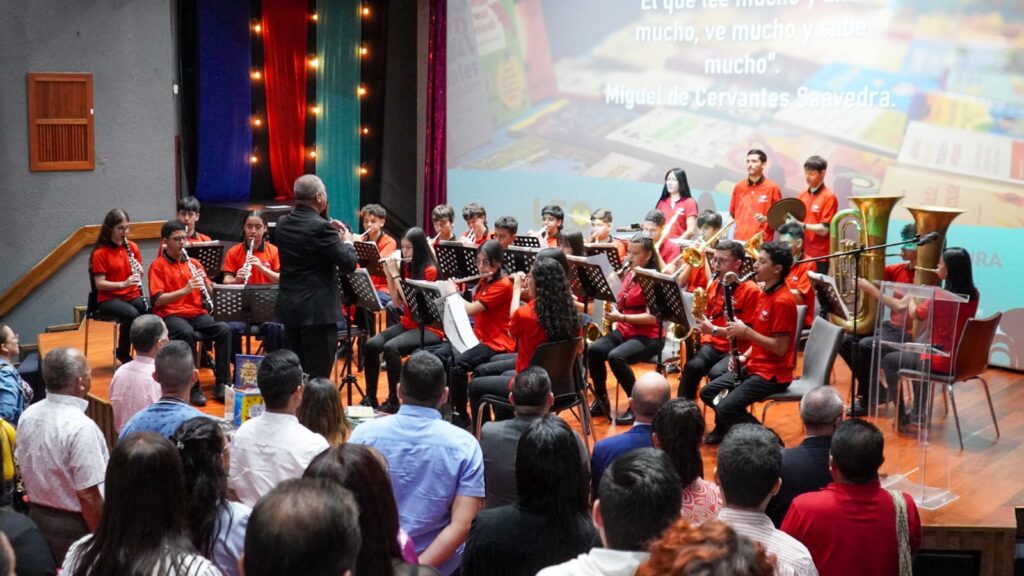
x,y
128,46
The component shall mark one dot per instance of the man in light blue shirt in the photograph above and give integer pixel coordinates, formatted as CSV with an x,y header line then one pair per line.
x,y
175,372
436,469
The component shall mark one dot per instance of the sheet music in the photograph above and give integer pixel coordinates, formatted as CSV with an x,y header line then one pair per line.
x,y
456,324
828,294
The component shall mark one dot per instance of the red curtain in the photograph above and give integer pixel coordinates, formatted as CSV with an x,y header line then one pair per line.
x,y
435,183
285,63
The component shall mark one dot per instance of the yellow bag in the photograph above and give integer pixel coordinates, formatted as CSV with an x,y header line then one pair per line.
x,y
7,437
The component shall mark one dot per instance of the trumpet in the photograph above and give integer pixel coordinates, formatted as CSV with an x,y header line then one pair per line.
x,y
207,301
693,255
136,267
248,267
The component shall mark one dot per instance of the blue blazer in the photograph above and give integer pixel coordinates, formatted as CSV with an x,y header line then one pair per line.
x,y
639,436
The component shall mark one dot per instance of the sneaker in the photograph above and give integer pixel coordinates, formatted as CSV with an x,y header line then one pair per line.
x,y
626,419
714,438
390,406
369,401
857,409
197,398
218,391
599,407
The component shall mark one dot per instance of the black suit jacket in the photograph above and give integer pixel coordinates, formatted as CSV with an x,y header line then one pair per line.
x,y
310,250
804,469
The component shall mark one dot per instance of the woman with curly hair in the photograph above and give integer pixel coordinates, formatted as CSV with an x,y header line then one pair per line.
x,y
712,548
549,316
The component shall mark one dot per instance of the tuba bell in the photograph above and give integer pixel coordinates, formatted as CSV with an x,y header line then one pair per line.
x,y
930,219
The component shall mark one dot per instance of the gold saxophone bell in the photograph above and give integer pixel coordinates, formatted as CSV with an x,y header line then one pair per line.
x,y
592,331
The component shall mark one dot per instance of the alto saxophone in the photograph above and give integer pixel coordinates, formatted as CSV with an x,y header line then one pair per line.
x,y
592,331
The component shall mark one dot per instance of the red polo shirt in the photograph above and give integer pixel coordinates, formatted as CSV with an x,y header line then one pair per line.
x,y
948,323
631,301
776,314
266,253
797,280
112,262
687,207
528,332
698,279
166,275
821,207
668,251
744,303
749,199
904,274
491,326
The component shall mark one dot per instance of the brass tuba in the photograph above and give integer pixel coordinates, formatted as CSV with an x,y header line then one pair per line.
x,y
930,219
871,216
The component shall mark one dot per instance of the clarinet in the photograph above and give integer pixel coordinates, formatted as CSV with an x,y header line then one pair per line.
x,y
136,267
248,254
729,285
207,301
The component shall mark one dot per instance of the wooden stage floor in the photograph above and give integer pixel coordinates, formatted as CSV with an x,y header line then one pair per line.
x,y
986,475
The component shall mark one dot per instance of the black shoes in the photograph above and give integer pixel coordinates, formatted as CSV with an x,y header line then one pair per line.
x,y
600,407
196,397
218,391
714,438
390,406
626,419
369,401
858,409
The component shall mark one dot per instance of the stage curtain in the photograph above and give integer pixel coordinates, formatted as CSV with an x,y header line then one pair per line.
x,y
337,126
225,101
435,183
285,61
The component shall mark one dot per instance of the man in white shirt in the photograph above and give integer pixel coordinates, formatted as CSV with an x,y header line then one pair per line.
x,y
749,465
639,496
273,446
62,454
133,387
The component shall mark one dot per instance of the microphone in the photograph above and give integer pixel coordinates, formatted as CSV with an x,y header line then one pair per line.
x,y
928,238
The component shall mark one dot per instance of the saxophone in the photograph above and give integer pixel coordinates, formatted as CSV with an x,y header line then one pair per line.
x,y
592,331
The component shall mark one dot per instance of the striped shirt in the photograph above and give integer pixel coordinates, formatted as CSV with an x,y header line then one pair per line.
x,y
791,557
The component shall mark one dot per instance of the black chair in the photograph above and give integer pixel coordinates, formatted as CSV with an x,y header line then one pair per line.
x,y
92,313
562,362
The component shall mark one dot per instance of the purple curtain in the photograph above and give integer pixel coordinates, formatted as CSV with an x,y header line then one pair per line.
x,y
435,185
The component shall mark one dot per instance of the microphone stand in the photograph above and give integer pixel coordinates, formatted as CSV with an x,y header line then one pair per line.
x,y
856,253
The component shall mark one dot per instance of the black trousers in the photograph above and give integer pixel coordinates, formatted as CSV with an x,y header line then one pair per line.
x,y
126,312
696,368
459,367
857,352
393,343
619,353
315,345
732,409
205,328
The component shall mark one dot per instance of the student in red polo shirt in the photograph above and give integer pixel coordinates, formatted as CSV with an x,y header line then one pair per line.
x,y
792,233
678,206
751,199
634,335
477,232
443,219
403,337
263,265
505,229
188,215
118,287
601,231
654,227
708,223
821,206
374,217
551,233
491,309
768,363
177,298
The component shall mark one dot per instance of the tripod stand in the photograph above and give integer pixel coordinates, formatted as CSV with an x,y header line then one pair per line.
x,y
356,292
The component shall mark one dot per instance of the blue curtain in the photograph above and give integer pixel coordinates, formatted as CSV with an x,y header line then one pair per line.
x,y
225,101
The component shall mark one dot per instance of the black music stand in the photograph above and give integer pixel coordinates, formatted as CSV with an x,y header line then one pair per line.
x,y
526,241
260,301
828,295
606,248
229,303
422,300
589,281
369,257
519,259
210,255
456,260
357,291
664,300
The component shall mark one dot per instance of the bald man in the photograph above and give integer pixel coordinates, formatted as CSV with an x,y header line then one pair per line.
x,y
650,392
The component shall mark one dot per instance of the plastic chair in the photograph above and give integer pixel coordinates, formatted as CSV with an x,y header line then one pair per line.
x,y
801,317
561,360
970,361
820,354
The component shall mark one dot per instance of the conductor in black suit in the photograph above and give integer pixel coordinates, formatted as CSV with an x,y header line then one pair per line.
x,y
312,249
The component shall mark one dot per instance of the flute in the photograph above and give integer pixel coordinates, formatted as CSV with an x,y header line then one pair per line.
x,y
207,301
248,267
468,278
136,267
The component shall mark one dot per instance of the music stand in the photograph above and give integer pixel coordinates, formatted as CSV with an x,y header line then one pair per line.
x,y
664,300
422,299
828,295
592,278
210,255
357,291
519,259
229,303
259,301
369,257
456,260
526,241
606,248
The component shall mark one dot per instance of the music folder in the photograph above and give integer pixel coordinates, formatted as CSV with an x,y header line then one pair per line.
x,y
828,295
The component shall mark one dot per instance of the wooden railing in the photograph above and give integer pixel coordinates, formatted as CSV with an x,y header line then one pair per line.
x,y
61,255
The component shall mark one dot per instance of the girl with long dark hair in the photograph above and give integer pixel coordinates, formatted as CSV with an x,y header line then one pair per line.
x,y
403,337
263,266
572,244
118,287
216,524
143,528
678,206
634,336
550,521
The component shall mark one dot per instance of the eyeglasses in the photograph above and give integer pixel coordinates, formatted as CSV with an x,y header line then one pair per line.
x,y
718,260
123,228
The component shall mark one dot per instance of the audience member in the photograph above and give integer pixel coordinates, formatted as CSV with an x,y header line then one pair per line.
x,y
175,370
749,462
28,543
711,548
62,453
133,387
321,411
15,393
679,431
215,524
850,526
639,497
303,526
531,397
386,549
650,393
436,468
273,446
142,530
549,523
805,467
7,558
